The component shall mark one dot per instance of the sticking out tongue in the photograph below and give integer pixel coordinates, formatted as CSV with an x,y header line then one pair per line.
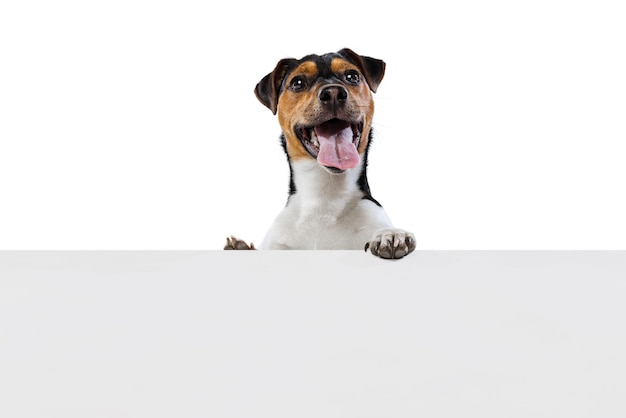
x,y
336,146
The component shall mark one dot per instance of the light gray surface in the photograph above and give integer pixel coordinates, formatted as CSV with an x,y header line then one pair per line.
x,y
312,334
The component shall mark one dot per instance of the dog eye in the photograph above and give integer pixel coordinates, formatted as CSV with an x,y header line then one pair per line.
x,y
297,84
352,77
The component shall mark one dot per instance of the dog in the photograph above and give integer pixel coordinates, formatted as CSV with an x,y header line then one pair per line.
x,y
325,107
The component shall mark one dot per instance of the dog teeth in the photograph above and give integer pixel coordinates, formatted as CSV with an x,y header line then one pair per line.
x,y
314,140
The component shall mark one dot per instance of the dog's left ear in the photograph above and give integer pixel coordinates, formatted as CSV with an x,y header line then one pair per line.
x,y
373,69
268,89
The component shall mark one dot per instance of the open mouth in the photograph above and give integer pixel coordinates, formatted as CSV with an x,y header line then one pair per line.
x,y
333,143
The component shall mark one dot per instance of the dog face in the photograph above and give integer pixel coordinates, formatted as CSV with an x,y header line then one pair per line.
x,y
324,105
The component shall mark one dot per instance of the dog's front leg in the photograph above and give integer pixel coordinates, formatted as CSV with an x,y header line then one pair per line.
x,y
234,243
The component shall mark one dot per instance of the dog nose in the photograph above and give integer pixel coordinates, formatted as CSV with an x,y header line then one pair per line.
x,y
333,95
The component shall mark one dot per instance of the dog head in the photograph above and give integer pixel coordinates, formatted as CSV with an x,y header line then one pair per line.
x,y
324,105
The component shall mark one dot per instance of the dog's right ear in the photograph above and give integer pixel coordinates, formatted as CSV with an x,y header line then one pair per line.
x,y
373,69
268,89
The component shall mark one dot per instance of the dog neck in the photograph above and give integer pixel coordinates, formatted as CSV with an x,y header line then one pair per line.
x,y
309,180
312,181
320,194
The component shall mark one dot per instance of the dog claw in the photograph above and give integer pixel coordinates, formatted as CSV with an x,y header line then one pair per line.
x,y
234,243
391,244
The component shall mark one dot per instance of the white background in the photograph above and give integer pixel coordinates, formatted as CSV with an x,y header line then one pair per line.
x,y
133,124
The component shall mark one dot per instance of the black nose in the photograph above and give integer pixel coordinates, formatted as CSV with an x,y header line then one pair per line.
x,y
333,95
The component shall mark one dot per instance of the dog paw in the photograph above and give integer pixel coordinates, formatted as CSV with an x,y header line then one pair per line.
x,y
391,243
234,243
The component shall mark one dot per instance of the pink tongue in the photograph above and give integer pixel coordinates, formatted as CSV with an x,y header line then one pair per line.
x,y
336,146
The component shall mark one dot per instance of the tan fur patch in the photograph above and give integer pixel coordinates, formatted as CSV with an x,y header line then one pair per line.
x,y
292,108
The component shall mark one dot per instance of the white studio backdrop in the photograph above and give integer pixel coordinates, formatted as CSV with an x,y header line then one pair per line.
x,y
133,124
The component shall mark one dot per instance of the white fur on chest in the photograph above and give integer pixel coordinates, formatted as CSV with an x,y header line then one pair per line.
x,y
326,212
